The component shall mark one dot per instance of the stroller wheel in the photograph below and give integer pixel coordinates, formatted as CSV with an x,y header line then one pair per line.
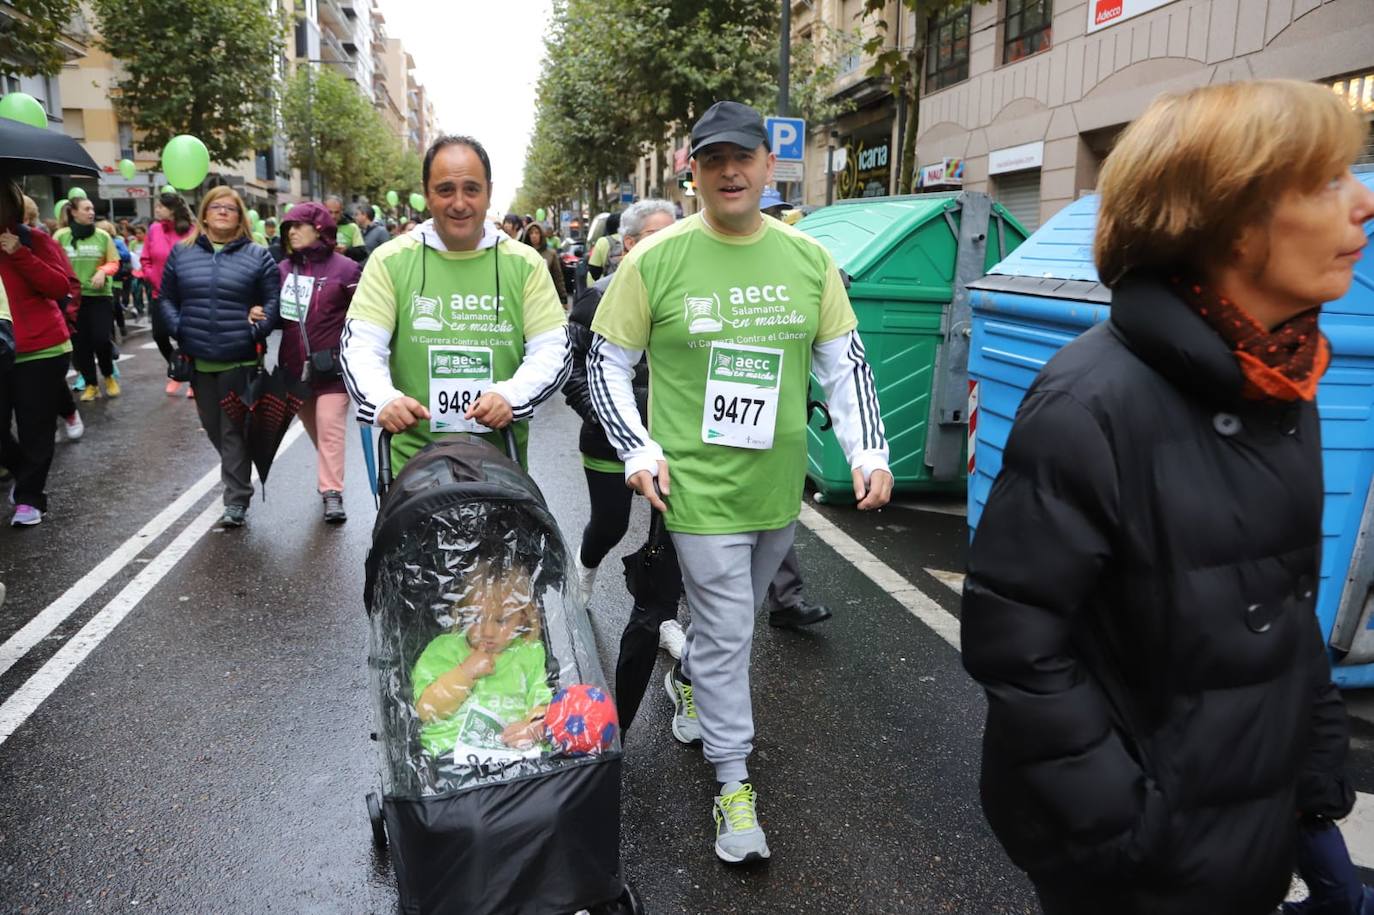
x,y
374,813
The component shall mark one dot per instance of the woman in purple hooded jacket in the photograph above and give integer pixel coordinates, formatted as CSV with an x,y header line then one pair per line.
x,y
317,287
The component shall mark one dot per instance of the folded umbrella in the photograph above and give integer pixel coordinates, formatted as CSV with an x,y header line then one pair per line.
x,y
273,399
26,150
655,582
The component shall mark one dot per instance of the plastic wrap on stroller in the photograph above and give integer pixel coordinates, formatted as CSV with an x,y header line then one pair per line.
x,y
499,747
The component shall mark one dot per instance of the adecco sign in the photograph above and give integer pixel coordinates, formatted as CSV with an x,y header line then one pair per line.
x,y
1102,13
1016,158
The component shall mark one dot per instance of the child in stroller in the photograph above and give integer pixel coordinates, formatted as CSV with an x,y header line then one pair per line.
x,y
481,689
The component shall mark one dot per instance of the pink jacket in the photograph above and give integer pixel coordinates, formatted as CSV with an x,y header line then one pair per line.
x,y
161,238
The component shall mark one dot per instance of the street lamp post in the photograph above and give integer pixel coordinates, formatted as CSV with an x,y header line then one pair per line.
x,y
830,168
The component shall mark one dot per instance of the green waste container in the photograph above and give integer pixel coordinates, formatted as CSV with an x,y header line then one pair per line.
x,y
907,262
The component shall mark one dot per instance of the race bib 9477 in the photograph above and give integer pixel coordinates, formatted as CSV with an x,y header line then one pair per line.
x,y
458,375
742,384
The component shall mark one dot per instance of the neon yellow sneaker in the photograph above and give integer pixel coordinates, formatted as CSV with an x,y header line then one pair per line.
x,y
685,726
89,393
739,837
111,387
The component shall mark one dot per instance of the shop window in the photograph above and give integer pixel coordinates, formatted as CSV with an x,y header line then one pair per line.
x,y
1027,28
947,47
126,141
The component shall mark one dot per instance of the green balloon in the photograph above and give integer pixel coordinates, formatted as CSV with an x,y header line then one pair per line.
x,y
392,198
17,106
539,215
128,169
254,217
167,189
376,212
76,193
417,202
186,162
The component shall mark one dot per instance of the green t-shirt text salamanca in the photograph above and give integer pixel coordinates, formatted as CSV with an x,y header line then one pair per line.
x,y
728,323
453,336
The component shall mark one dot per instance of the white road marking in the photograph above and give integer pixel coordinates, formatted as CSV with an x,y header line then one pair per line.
x,y
152,345
1358,828
952,580
881,574
27,698
56,613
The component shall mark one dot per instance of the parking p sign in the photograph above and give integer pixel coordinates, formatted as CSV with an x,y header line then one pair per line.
x,y
787,136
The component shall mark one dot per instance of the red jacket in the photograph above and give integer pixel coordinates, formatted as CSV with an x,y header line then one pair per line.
x,y
37,276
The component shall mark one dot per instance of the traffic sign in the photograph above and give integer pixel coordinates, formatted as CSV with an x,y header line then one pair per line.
x,y
788,138
788,170
627,192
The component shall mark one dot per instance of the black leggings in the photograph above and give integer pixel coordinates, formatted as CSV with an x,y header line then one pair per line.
x,y
94,327
29,394
160,335
609,518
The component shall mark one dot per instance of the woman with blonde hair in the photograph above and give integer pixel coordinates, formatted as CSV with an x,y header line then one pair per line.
x,y
1140,596
219,299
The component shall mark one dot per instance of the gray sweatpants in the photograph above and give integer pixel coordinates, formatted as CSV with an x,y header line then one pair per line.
x,y
236,469
726,577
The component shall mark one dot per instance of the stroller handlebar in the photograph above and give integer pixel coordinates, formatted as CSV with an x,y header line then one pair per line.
x,y
384,475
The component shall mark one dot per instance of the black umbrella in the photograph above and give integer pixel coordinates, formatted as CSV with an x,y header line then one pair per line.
x,y
272,400
26,150
655,582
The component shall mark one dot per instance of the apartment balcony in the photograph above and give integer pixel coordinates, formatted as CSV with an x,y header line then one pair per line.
x,y
332,16
332,50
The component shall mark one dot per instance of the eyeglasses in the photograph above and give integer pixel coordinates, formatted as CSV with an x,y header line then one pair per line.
x,y
221,208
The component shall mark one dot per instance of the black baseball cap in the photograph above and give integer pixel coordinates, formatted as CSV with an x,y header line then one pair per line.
x,y
729,122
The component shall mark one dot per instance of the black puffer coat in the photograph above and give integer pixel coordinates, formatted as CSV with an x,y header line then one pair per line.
x,y
1140,609
206,296
593,442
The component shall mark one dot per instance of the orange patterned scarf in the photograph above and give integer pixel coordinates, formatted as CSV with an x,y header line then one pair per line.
x,y
1283,364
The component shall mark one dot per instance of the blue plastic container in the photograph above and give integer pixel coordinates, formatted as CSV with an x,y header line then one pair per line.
x,y
1046,293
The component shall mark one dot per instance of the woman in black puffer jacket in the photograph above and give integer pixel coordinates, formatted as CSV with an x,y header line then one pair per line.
x,y
219,301
1140,596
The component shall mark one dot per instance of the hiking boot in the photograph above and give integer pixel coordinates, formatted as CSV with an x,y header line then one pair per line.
x,y
739,837
26,516
111,387
685,726
585,579
234,516
333,507
671,638
803,614
89,393
73,426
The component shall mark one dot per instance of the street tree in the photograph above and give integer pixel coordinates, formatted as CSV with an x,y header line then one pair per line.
x,y
204,68
906,66
29,43
331,128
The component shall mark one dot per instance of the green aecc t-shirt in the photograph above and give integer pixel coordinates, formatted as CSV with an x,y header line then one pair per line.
x,y
516,686
728,323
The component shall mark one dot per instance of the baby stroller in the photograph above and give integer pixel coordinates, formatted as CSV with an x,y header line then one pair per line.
x,y
499,748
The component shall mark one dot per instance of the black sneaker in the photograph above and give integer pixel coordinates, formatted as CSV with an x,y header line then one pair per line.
x,y
333,507
234,516
804,614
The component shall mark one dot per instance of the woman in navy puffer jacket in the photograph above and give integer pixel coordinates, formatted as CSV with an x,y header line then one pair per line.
x,y
219,301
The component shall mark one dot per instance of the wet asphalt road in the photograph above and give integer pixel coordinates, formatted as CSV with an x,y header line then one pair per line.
x,y
211,753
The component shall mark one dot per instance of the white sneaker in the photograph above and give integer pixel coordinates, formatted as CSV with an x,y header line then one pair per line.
x,y
585,579
74,427
671,638
739,837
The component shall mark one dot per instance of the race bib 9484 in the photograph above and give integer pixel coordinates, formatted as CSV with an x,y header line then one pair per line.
x,y
458,375
742,384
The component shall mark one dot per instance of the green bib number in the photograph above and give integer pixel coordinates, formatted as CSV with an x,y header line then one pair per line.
x,y
741,404
458,376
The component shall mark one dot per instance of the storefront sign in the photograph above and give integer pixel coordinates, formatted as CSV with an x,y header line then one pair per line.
x,y
1016,158
867,169
948,172
1358,92
1102,13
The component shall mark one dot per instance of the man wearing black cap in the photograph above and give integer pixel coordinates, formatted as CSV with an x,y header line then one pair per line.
x,y
735,312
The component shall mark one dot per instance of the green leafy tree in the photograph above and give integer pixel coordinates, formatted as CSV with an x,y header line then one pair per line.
x,y
203,67
905,66
29,40
333,129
